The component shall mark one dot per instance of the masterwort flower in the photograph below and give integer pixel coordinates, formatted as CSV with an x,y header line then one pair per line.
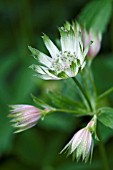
x,y
81,145
96,38
63,63
24,116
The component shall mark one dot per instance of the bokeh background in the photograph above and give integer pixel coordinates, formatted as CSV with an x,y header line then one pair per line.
x,y
21,24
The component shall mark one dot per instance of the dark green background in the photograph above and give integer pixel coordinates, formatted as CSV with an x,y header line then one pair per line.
x,y
21,24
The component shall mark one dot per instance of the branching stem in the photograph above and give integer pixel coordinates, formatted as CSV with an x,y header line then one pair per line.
x,y
105,93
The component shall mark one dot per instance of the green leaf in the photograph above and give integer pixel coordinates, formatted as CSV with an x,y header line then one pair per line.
x,y
63,101
5,133
92,15
24,84
40,102
43,105
106,116
102,65
108,132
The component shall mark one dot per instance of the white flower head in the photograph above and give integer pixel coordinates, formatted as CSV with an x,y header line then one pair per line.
x,y
96,38
81,145
63,63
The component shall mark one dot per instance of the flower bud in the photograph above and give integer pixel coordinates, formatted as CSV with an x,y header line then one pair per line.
x,y
24,116
81,145
96,38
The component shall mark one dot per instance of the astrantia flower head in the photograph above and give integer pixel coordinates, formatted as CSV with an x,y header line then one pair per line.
x,y
81,145
96,38
24,116
63,63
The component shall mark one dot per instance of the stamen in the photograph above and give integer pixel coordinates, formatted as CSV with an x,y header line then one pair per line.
x,y
63,61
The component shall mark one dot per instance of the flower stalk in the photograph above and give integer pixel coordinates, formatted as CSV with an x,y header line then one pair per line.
x,y
107,92
87,101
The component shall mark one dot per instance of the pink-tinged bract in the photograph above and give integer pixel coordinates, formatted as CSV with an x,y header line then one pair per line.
x,y
95,38
24,116
81,144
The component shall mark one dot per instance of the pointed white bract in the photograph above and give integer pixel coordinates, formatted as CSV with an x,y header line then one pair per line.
x,y
81,145
24,116
96,38
67,61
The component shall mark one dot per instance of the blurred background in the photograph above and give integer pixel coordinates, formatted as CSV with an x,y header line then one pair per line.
x,y
21,24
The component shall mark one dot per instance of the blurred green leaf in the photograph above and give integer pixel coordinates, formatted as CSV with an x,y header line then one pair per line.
x,y
62,101
40,103
8,65
102,66
60,122
12,165
95,165
24,84
53,149
6,131
93,13
108,132
30,147
106,116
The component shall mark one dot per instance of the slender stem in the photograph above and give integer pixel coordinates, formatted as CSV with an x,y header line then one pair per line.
x,y
105,93
74,112
83,93
91,78
103,155
79,112
90,74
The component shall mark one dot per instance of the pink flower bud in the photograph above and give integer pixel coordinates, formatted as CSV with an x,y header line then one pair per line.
x,y
96,38
24,116
81,145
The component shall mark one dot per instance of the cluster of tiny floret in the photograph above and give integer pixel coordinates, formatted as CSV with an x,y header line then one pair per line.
x,y
63,61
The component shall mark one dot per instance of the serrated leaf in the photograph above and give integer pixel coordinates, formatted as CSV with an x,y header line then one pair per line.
x,y
106,116
40,102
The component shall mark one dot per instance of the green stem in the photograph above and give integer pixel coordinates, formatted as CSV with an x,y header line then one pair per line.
x,y
79,112
105,93
74,112
103,155
91,78
83,93
90,74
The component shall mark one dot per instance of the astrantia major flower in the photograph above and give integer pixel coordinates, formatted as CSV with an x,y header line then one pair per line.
x,y
81,145
24,116
63,63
